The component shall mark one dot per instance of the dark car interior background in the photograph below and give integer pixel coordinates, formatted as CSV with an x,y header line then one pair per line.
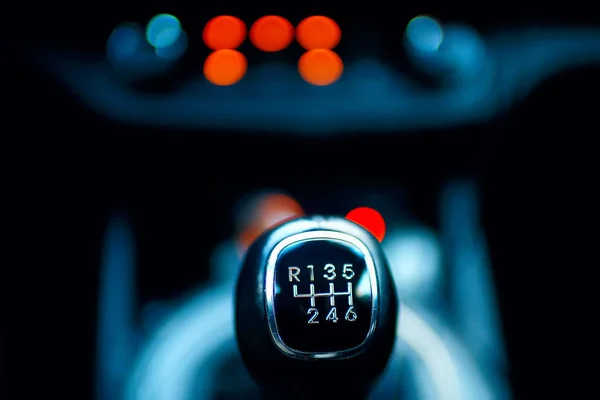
x,y
137,178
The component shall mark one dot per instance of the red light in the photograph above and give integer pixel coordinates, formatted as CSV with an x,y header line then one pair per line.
x,y
369,219
224,33
272,33
318,32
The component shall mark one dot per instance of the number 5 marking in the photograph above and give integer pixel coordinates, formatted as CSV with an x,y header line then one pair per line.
x,y
348,272
330,268
351,315
313,318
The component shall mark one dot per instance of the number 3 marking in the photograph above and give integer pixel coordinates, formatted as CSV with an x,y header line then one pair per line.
x,y
314,315
330,268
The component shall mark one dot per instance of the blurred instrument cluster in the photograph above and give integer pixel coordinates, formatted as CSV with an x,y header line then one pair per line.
x,y
328,80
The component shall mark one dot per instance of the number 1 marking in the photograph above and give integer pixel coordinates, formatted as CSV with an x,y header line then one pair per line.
x,y
312,272
313,318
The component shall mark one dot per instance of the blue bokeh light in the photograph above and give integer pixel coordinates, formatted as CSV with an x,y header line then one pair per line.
x,y
163,30
124,42
176,50
464,52
424,33
132,58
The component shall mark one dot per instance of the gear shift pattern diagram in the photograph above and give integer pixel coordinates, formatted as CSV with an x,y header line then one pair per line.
x,y
320,309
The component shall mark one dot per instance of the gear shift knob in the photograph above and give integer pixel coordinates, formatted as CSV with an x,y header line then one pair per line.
x,y
315,309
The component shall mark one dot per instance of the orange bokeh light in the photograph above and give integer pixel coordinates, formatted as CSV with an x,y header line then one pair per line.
x,y
266,212
369,219
225,67
320,67
271,33
318,32
224,32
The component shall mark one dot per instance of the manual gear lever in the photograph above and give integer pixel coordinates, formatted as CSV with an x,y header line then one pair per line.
x,y
315,310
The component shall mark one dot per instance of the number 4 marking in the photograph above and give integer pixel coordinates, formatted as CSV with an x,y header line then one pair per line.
x,y
332,316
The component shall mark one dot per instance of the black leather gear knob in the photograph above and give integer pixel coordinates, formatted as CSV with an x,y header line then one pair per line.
x,y
315,309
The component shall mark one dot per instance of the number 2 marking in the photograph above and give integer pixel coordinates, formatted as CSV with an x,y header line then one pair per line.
x,y
330,275
313,318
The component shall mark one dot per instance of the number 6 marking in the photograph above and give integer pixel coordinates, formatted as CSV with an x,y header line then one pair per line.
x,y
351,315
315,314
